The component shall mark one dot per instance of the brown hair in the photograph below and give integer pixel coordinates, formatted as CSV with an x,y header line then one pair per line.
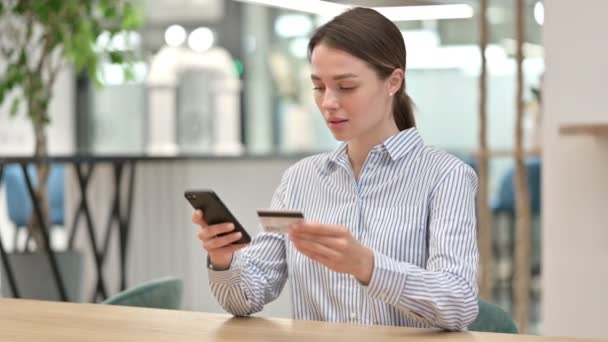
x,y
370,36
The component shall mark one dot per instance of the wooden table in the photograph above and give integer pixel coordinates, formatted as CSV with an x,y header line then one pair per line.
x,y
27,320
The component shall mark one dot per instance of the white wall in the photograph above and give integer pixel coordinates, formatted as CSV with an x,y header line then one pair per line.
x,y
16,134
575,170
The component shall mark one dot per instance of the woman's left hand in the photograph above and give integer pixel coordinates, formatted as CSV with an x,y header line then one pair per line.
x,y
335,247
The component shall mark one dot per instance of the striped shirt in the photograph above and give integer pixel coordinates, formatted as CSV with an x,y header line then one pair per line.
x,y
413,205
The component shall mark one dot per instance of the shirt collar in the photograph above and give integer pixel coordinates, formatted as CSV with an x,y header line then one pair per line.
x,y
397,146
400,144
339,152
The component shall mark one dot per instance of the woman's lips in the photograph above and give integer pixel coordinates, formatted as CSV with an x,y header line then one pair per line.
x,y
336,123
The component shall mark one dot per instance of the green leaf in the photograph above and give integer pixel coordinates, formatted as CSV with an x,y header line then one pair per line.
x,y
59,34
75,26
15,106
132,19
116,57
21,7
129,72
14,76
23,57
42,11
96,29
92,70
109,11
55,5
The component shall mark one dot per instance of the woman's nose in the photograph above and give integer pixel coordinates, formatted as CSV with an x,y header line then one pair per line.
x,y
330,100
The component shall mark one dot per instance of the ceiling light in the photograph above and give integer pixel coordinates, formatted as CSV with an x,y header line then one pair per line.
x,y
325,8
293,25
430,12
201,39
394,13
539,13
175,35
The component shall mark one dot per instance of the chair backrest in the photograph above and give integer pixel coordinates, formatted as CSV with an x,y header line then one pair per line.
x,y
505,199
492,318
162,293
18,200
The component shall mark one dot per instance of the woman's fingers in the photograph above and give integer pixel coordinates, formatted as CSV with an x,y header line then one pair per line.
x,y
329,241
310,248
318,229
210,232
221,241
198,218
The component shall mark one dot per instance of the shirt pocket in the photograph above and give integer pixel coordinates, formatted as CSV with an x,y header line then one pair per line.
x,y
400,232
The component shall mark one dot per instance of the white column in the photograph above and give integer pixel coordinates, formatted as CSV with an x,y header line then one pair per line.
x,y
575,170
161,119
162,111
227,120
258,96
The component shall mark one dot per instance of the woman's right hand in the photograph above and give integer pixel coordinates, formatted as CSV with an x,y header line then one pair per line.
x,y
219,248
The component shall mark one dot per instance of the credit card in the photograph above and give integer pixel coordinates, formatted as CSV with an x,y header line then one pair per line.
x,y
278,221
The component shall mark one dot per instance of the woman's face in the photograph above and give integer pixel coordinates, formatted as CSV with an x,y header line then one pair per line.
x,y
354,101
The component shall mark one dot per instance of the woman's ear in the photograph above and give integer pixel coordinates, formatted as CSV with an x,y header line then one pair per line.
x,y
395,79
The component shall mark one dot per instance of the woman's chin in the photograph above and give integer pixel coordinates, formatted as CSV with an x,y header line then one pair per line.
x,y
340,137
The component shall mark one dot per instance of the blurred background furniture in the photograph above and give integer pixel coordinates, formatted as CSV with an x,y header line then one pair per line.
x,y
492,318
18,200
161,293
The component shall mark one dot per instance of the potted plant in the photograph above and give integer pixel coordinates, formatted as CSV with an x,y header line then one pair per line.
x,y
38,39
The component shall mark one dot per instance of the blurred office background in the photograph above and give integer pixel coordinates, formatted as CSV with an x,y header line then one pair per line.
x,y
240,69
266,47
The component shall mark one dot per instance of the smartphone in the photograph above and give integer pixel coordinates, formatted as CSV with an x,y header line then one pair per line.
x,y
215,211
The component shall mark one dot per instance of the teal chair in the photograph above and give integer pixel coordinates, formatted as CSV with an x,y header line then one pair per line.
x,y
162,293
492,318
19,203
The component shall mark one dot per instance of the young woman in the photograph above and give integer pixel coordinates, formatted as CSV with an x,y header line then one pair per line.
x,y
390,236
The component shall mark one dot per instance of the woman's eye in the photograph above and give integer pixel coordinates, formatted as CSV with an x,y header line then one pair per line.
x,y
318,88
347,88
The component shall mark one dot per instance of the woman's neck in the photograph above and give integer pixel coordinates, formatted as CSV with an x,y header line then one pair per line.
x,y
358,149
